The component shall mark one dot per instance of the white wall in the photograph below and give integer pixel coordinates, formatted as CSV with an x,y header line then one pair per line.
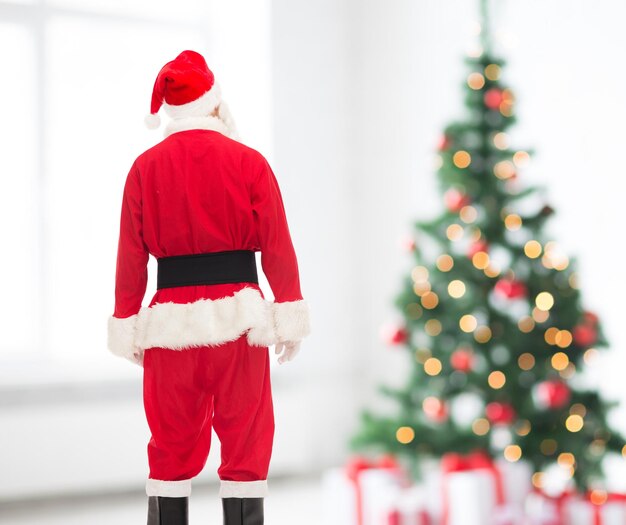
x,y
361,91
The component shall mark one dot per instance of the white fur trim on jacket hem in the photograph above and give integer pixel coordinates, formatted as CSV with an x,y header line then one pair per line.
x,y
169,489
243,489
121,336
211,322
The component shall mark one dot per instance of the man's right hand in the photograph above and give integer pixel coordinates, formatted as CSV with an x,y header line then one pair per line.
x,y
287,350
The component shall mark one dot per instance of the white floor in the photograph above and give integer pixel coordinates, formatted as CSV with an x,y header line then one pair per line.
x,y
290,501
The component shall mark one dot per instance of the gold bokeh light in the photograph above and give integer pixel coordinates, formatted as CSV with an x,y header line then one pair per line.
x,y
482,334
574,423
521,158
475,81
414,310
496,379
456,288
532,249
501,140
540,316
445,262
492,270
480,260
480,426
433,327
405,435
454,232
563,338
462,159
523,428
550,335
544,301
468,323
421,288
526,324
468,214
566,459
590,355
422,355
526,361
598,497
475,234
492,71
432,366
512,453
430,300
419,274
513,222
504,169
560,361
569,371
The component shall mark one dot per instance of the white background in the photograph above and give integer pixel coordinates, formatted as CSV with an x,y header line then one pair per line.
x,y
347,99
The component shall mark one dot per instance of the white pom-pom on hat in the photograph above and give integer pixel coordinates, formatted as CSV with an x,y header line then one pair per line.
x,y
152,121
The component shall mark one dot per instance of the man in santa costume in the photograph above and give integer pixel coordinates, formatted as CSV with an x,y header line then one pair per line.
x,y
202,203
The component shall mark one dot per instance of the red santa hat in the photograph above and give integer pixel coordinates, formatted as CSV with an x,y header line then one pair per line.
x,y
186,88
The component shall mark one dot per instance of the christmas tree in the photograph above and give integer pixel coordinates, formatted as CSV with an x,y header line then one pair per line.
x,y
493,321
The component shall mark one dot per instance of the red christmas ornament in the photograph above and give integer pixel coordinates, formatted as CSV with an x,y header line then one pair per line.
x,y
585,335
408,243
552,394
462,360
493,98
500,413
590,318
444,142
455,199
510,288
478,246
435,409
394,335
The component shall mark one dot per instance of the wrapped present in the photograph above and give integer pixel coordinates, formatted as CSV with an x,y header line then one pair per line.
x,y
362,492
478,491
516,481
410,508
596,508
542,508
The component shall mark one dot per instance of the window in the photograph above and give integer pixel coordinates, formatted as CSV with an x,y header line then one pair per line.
x,y
78,76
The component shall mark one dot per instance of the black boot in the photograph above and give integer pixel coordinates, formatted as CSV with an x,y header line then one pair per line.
x,y
168,511
243,511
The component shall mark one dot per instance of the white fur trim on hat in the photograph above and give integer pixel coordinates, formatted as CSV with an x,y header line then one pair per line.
x,y
169,489
243,489
226,117
183,124
200,107
152,121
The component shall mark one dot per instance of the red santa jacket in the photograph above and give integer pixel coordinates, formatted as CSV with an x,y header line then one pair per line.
x,y
199,191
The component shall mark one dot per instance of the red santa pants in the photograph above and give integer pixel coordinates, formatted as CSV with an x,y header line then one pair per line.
x,y
188,392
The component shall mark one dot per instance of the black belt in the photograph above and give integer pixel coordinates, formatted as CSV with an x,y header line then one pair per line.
x,y
233,266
